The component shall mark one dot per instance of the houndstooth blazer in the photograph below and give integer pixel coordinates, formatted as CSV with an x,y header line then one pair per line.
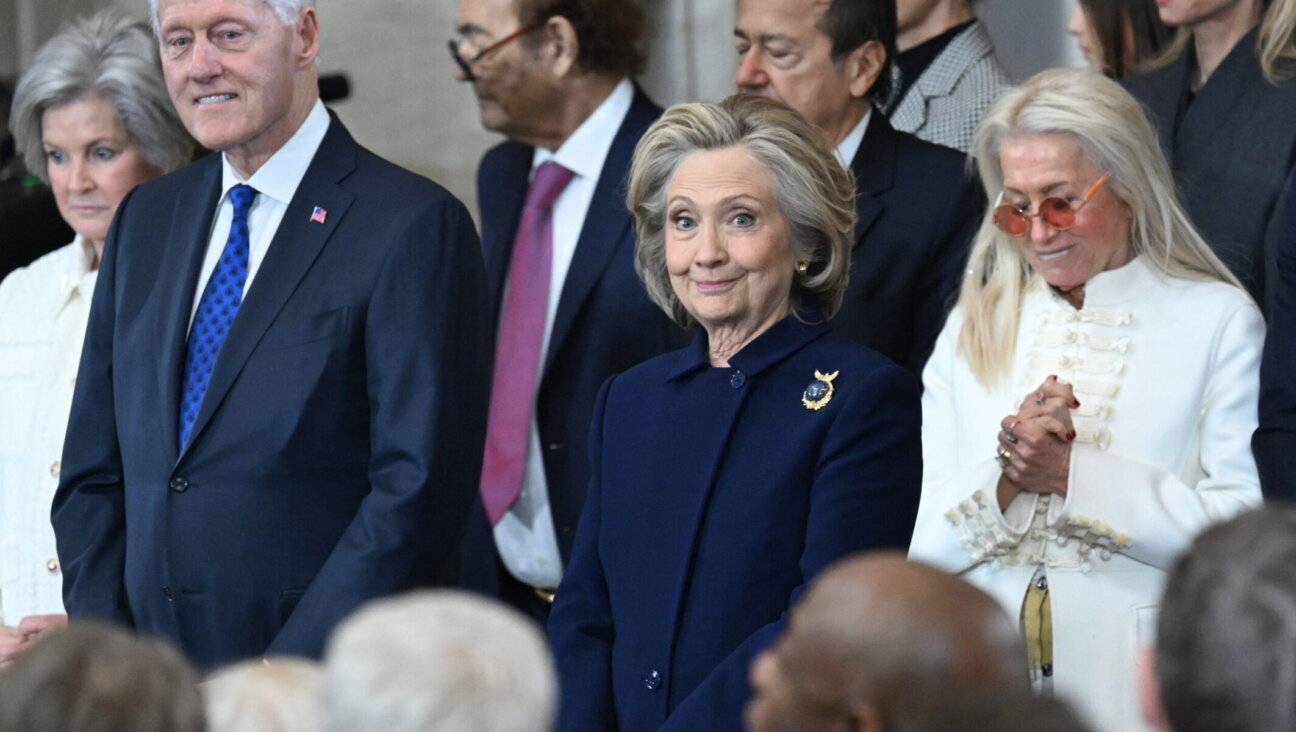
x,y
946,102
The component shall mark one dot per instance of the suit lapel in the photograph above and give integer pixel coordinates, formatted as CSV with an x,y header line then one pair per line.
x,y
874,170
183,255
1218,102
608,225
296,245
500,200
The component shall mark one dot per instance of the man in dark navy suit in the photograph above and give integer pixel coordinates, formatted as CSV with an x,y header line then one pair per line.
x,y
917,208
280,404
568,310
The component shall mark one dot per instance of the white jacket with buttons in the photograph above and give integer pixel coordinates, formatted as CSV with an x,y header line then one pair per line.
x,y
1167,374
43,312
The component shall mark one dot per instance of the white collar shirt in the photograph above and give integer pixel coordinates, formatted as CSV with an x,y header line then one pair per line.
x,y
276,182
849,146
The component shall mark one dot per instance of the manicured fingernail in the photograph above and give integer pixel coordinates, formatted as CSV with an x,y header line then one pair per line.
x,y
1075,403
1071,436
1052,377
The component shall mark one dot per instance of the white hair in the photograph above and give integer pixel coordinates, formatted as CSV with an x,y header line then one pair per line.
x,y
275,695
285,10
439,660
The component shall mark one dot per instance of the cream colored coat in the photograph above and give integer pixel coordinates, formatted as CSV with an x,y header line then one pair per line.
x,y
1167,373
43,313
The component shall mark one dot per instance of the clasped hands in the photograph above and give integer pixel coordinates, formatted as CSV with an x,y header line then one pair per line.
x,y
1035,443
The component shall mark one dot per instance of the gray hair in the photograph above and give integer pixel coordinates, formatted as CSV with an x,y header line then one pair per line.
x,y
285,10
93,677
274,695
1226,638
438,660
1113,131
109,57
814,192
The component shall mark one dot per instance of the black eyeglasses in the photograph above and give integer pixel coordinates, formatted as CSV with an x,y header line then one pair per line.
x,y
465,64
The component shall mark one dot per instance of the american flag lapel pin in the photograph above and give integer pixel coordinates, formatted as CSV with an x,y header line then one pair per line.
x,y
318,215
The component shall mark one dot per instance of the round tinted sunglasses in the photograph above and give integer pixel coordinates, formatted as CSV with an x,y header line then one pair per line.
x,y
1057,212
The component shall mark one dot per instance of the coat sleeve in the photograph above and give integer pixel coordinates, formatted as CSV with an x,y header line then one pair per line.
x,y
89,508
864,496
581,631
1113,503
1274,442
427,365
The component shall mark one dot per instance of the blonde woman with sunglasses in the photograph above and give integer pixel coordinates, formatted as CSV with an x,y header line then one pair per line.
x,y
1089,404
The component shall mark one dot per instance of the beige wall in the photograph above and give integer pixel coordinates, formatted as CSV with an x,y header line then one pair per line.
x,y
406,106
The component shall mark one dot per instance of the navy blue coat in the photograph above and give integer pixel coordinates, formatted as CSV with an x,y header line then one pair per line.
x,y
604,325
917,209
1274,442
336,454
715,496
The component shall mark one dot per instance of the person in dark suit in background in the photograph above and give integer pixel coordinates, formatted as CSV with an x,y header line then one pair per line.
x,y
916,207
312,440
728,473
567,310
1223,106
1274,441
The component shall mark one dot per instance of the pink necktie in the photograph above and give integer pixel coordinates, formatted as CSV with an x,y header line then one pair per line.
x,y
521,334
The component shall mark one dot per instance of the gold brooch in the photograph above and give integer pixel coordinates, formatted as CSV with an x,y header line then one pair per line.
x,y
820,391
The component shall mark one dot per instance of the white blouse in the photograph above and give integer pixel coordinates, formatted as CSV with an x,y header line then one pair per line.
x,y
43,312
1167,374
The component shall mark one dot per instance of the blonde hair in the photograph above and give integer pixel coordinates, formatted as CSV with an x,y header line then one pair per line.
x,y
1115,136
275,695
814,192
1275,44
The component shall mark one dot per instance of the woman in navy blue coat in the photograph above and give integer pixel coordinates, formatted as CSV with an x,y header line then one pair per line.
x,y
726,474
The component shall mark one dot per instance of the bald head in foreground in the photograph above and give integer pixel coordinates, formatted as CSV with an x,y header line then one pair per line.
x,y
875,639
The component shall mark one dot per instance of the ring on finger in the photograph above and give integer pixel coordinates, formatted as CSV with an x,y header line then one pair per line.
x,y
1039,398
1003,457
1011,436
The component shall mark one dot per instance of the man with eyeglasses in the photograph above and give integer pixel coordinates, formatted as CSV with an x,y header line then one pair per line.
x,y
567,308
917,209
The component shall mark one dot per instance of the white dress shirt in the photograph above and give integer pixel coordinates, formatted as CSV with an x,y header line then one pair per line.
x,y
525,535
846,149
44,308
276,181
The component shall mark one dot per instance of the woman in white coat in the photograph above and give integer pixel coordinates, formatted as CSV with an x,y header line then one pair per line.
x,y
1089,404
92,118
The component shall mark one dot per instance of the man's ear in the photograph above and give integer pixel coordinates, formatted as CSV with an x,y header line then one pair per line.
x,y
307,31
863,66
559,46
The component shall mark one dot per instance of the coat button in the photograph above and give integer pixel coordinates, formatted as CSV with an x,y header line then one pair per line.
x,y
652,680
52,565
179,485
56,467
554,446
738,379
166,592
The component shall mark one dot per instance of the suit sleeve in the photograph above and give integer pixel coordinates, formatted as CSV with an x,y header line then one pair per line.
x,y
580,628
426,360
864,497
964,209
89,508
1274,442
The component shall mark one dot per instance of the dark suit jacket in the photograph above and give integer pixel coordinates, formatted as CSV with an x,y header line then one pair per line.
x,y
1274,443
337,450
716,496
604,325
917,211
1230,149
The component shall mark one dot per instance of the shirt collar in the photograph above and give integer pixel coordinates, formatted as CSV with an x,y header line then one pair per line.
x,y
782,339
585,151
77,278
279,177
849,145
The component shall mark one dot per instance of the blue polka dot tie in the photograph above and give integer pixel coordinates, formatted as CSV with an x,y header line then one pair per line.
x,y
220,302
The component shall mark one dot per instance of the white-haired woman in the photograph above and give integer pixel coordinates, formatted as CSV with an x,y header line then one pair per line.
x,y
1223,99
91,117
726,474
1089,405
